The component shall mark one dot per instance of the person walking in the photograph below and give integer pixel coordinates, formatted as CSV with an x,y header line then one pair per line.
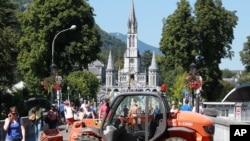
x,y
103,109
68,115
173,108
53,116
62,116
125,111
88,114
14,126
186,106
37,123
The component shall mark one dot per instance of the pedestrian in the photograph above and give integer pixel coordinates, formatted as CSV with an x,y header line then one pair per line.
x,y
200,108
133,110
103,109
61,110
37,123
173,108
125,111
88,114
80,114
186,106
157,110
83,104
14,126
53,116
68,115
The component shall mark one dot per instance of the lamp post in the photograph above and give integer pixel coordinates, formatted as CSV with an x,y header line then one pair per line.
x,y
53,65
68,88
196,84
192,68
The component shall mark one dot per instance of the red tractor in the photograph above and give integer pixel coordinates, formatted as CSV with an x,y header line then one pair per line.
x,y
147,125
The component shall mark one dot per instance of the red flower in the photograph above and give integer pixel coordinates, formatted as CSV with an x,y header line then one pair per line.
x,y
195,84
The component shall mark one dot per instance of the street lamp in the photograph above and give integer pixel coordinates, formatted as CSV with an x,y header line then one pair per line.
x,y
192,69
195,85
53,65
68,88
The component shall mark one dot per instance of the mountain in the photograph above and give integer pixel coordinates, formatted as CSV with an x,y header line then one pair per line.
x,y
141,45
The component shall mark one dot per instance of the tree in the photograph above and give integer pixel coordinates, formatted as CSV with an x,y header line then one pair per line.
x,y
9,35
226,73
214,29
40,22
83,82
245,55
204,37
178,40
146,58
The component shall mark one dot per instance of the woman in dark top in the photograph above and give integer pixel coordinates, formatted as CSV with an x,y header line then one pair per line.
x,y
88,113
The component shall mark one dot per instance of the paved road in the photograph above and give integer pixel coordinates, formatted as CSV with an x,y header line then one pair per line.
x,y
61,128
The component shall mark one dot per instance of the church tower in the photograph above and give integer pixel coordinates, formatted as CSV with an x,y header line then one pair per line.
x,y
131,77
153,77
110,72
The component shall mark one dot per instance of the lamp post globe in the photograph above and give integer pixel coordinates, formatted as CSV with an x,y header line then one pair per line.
x,y
53,65
68,88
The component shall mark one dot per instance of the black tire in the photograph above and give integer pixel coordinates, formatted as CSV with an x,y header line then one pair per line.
x,y
87,138
175,139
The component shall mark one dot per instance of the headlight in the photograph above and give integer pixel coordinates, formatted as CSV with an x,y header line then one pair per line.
x,y
209,129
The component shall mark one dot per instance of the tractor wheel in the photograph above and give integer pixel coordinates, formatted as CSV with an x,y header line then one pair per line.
x,y
175,139
87,138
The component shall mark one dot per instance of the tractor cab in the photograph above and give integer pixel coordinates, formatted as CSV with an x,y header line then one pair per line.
x,y
145,119
134,116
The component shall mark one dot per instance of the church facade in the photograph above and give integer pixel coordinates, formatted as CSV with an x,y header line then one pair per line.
x,y
131,77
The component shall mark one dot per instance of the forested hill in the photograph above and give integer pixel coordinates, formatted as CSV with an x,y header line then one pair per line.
x,y
116,42
141,45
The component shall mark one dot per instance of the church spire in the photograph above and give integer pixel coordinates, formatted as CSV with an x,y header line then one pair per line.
x,y
132,23
110,65
153,65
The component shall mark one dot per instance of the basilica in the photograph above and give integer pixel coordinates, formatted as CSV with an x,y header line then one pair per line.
x,y
131,77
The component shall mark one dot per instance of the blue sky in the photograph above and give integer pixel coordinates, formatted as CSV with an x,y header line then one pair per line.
x,y
112,16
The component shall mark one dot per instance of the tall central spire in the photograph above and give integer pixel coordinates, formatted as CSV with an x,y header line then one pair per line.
x,y
132,23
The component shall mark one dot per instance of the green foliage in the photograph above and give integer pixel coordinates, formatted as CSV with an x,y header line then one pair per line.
x,y
116,46
84,83
178,40
40,22
227,87
9,35
146,58
204,37
245,55
179,85
244,78
226,73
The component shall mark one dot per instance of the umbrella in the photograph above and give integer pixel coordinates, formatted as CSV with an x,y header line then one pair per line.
x,y
33,101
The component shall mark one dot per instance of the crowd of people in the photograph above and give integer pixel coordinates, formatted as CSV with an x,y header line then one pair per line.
x,y
67,113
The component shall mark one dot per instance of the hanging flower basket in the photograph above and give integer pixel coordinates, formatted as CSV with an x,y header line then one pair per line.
x,y
195,84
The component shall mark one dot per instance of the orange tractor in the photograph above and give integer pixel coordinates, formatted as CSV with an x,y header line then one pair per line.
x,y
148,125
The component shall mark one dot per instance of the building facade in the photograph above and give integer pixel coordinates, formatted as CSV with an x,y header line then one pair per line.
x,y
131,77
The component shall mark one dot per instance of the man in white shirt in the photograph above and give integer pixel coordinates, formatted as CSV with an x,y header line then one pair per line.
x,y
200,109
83,105
68,112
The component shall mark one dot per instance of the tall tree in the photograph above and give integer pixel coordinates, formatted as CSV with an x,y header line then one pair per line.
x,y
178,40
245,55
40,22
83,83
146,58
203,37
214,29
9,35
